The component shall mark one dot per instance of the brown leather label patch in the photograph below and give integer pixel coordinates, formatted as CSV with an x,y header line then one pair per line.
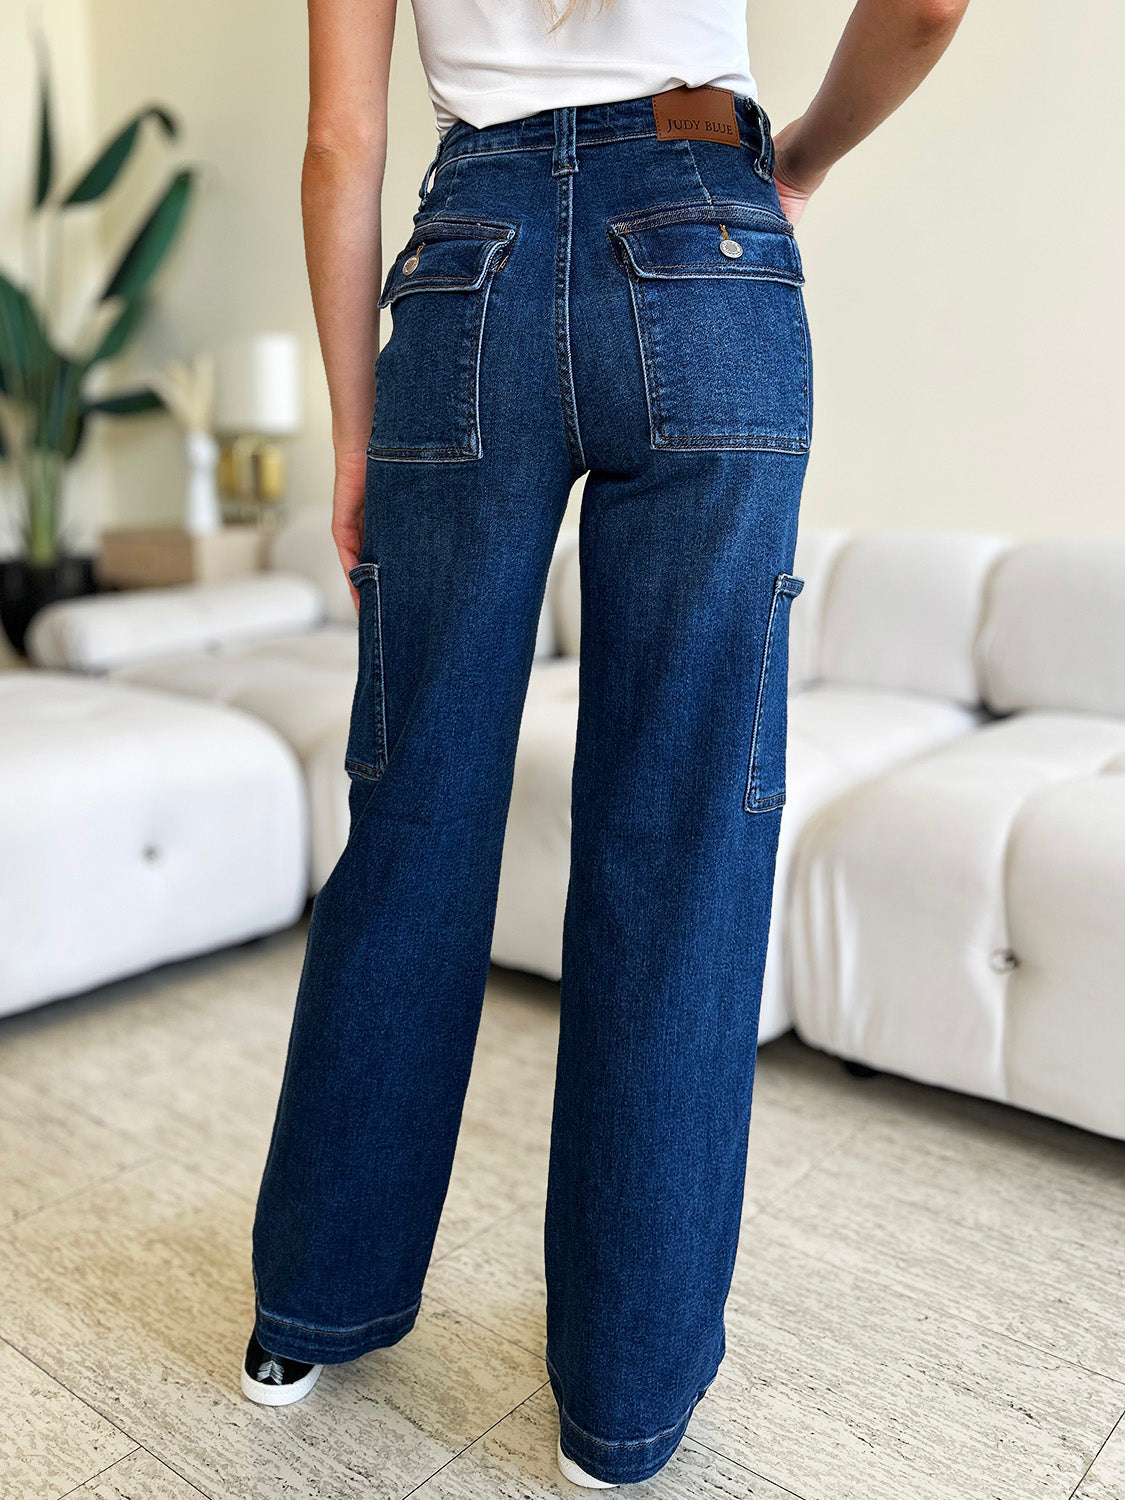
x,y
705,113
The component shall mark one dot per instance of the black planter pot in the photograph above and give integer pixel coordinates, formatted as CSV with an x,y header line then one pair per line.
x,y
26,587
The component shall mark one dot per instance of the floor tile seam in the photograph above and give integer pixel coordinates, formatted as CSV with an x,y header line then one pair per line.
x,y
428,1297
86,1187
811,1166
1097,1455
89,1479
55,1094
140,1448
202,1175
1069,1166
483,1229
825,1157
738,1463
919,1300
478,1439
89,1405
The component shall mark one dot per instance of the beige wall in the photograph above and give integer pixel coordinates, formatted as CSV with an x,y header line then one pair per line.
x,y
237,77
65,25
963,276
965,310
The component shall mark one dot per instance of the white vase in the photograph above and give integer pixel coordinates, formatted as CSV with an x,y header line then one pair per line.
x,y
202,512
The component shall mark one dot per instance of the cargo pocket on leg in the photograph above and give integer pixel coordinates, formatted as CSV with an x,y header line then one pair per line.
x,y
366,753
765,780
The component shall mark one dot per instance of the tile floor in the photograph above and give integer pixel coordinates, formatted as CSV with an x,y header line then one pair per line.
x,y
929,1302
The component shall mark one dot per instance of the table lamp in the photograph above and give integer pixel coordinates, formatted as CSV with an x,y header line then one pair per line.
x,y
257,401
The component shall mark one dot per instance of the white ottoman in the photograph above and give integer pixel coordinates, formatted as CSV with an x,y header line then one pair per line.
x,y
136,827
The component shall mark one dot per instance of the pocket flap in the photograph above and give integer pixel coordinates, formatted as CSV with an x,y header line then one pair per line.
x,y
446,255
685,240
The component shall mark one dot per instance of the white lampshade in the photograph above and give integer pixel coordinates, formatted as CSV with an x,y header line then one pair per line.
x,y
258,385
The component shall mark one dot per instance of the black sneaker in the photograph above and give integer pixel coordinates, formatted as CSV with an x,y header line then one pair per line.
x,y
272,1380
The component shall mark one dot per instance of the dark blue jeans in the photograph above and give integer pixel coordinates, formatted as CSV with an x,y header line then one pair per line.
x,y
576,297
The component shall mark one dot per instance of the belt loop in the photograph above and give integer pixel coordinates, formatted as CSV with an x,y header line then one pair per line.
x,y
425,187
564,158
764,159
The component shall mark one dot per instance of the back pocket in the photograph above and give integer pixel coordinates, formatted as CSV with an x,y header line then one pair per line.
x,y
427,374
366,753
765,779
720,318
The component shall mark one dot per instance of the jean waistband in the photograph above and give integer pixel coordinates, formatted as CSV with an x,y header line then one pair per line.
x,y
569,129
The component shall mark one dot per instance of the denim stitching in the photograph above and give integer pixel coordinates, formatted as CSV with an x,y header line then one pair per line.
x,y
423,190
471,447
474,378
643,321
562,325
690,209
371,571
625,1442
754,801
564,153
761,441
589,140
641,337
333,1333
496,235
738,272
695,168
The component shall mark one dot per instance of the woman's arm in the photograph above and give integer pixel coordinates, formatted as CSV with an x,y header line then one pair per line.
x,y
887,48
341,191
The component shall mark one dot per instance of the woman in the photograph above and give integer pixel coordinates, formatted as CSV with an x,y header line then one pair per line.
x,y
602,280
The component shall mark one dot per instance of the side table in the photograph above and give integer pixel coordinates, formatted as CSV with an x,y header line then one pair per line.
x,y
140,556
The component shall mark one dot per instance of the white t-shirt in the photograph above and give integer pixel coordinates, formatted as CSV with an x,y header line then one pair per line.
x,y
492,60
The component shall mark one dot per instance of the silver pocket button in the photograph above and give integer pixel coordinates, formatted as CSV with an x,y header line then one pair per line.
x,y
411,265
730,248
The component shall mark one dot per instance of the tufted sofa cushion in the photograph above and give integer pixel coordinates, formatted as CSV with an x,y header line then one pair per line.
x,y
937,914
1053,634
100,631
902,611
135,828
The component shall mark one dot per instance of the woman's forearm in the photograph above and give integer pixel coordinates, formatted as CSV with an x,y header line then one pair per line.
x,y
341,188
886,49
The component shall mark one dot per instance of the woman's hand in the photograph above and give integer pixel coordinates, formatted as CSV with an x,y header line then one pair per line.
x,y
793,189
347,511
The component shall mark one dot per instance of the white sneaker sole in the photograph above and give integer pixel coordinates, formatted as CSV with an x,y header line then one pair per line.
x,y
570,1470
267,1394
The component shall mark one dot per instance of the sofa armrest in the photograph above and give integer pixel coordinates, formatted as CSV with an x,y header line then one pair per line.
x,y
99,631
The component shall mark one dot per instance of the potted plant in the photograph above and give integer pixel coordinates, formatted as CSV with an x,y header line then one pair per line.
x,y
44,404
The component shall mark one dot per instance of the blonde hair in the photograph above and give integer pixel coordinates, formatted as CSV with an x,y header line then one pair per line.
x,y
584,7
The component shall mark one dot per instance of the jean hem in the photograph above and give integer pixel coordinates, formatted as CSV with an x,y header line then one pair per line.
x,y
331,1346
625,1460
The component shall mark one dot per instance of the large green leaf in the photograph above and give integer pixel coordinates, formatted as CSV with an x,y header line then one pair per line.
x,y
119,331
44,167
100,177
25,350
77,435
153,240
59,404
126,403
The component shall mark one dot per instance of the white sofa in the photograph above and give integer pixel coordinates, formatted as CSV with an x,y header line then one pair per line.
x,y
961,918
949,891
136,827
